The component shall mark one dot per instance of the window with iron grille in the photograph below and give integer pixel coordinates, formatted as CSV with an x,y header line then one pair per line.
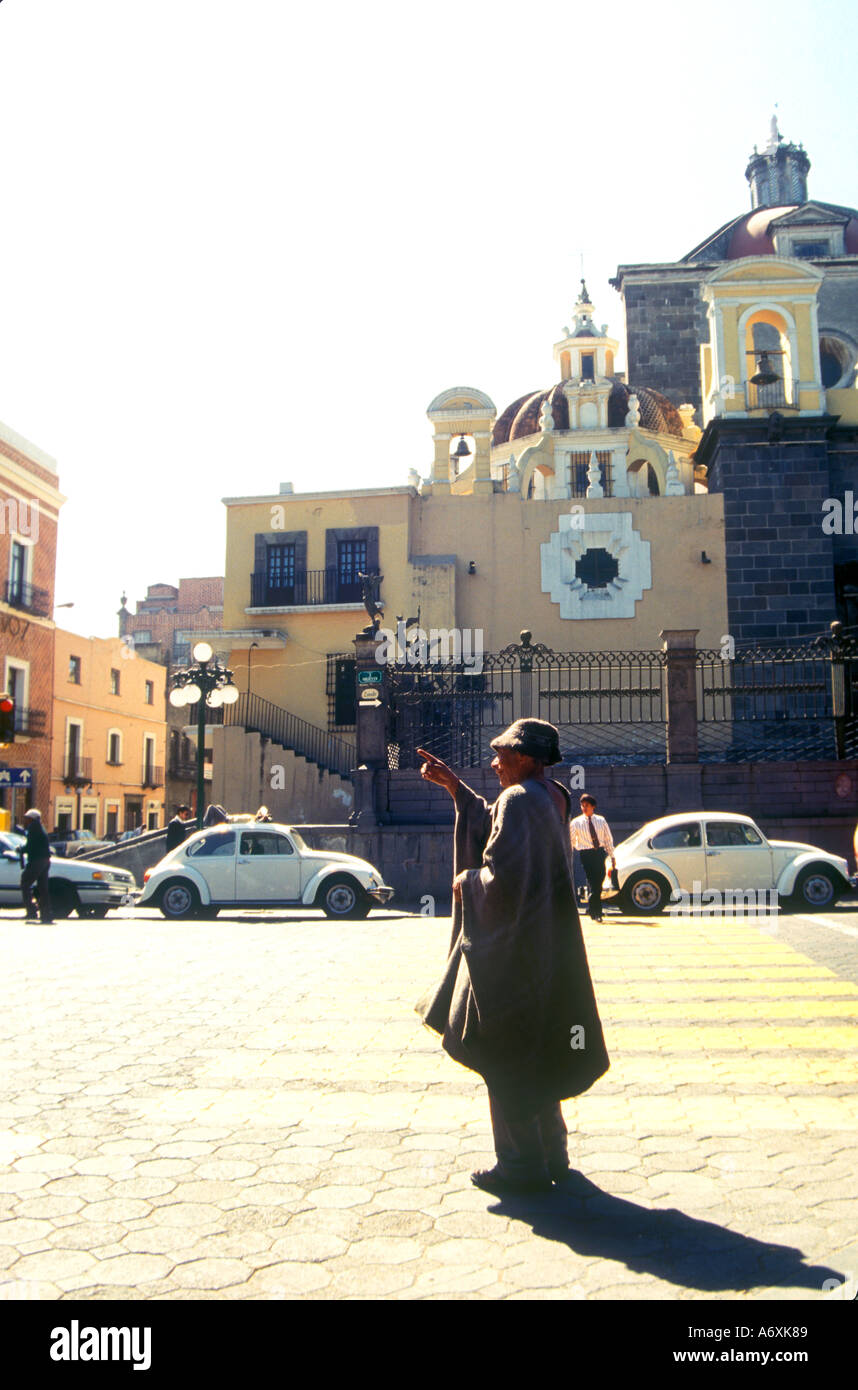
x,y
579,463
341,691
281,566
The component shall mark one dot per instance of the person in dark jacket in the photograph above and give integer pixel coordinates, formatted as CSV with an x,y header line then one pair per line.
x,y
516,1002
177,828
38,855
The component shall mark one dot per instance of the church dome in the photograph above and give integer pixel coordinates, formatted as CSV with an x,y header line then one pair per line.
x,y
750,235
521,417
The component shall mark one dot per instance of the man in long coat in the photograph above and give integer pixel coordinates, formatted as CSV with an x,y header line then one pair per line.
x,y
516,1001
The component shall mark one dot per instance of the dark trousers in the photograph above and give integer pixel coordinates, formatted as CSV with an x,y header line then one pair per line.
x,y
593,861
37,873
533,1148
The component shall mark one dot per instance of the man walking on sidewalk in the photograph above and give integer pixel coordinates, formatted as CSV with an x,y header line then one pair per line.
x,y
516,1001
591,836
38,852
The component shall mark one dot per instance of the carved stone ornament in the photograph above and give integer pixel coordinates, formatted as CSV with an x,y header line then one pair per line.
x,y
613,532
594,477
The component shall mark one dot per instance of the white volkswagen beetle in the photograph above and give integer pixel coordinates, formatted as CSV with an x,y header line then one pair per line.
x,y
718,857
259,865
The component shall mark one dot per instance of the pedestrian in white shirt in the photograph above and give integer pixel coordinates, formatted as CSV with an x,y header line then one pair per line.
x,y
591,836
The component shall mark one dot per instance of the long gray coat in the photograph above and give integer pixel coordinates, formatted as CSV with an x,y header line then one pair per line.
x,y
517,981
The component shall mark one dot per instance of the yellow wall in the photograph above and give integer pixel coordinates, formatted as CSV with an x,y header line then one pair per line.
x,y
99,711
502,534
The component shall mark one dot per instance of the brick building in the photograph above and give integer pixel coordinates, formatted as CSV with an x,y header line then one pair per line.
x,y
164,628
29,508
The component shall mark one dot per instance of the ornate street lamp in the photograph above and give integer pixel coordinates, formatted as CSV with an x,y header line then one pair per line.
x,y
209,684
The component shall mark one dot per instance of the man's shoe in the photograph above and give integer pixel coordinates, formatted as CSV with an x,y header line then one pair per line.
x,y
491,1180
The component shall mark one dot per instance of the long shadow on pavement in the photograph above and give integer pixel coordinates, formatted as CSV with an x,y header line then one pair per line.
x,y
665,1243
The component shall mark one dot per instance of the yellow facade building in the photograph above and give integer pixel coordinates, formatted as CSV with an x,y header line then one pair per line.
x,y
109,737
578,514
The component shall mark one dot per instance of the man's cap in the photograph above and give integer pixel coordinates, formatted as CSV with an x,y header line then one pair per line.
x,y
534,737
33,813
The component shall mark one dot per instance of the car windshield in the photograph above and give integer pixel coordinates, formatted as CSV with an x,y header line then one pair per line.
x,y
297,841
12,841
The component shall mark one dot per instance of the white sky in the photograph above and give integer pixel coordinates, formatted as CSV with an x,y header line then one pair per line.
x,y
246,243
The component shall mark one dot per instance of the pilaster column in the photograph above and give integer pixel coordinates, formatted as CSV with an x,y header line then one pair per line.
x,y
483,461
680,693
561,485
619,473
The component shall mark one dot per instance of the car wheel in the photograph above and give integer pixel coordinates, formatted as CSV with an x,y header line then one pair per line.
x,y
342,896
645,894
815,889
179,900
64,900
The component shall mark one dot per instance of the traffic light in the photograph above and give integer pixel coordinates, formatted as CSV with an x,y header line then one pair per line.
x,y
7,720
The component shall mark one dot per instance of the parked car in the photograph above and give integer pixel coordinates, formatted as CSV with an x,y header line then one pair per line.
x,y
723,851
265,865
71,842
88,888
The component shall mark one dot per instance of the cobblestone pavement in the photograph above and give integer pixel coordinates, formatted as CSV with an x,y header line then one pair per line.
x,y
248,1108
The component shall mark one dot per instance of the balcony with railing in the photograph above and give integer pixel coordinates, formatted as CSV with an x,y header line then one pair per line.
x,y
151,776
182,769
28,598
303,589
30,723
77,771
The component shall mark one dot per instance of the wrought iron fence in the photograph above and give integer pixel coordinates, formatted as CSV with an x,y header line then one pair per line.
x,y
608,706
780,703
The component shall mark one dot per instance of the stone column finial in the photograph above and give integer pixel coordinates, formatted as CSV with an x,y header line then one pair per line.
x,y
594,475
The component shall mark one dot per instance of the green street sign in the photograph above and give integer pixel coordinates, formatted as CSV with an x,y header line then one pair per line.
x,y
369,677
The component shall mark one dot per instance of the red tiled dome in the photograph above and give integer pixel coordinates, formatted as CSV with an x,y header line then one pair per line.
x,y
521,418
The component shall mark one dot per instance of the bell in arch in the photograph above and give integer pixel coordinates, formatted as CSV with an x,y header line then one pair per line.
x,y
461,450
765,374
